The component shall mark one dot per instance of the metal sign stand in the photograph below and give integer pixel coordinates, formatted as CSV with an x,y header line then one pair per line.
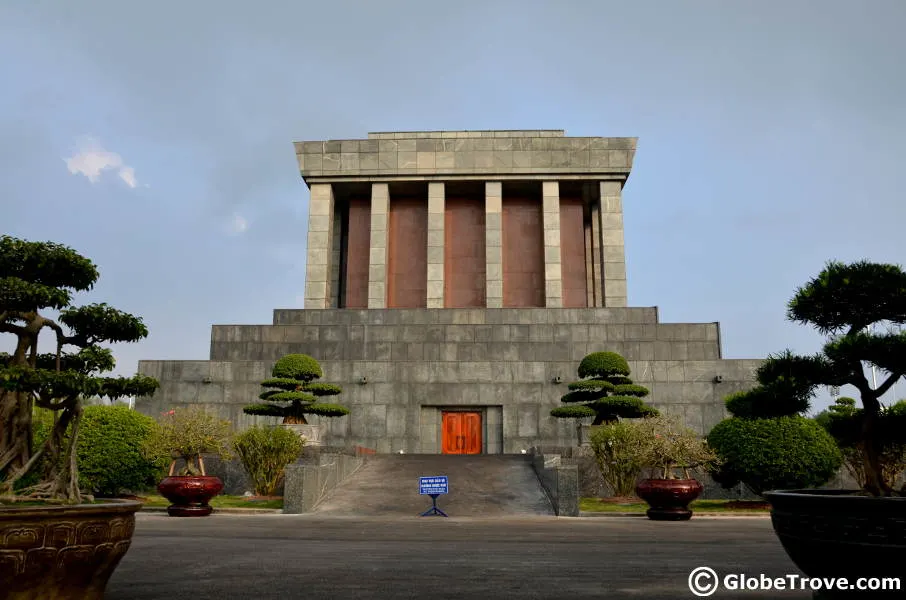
x,y
434,487
434,511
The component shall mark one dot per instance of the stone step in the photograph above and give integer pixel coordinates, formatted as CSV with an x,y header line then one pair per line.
x,y
479,486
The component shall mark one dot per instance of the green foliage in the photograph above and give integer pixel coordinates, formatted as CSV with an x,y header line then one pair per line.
x,y
293,389
280,396
103,323
844,301
110,451
300,367
323,389
765,402
46,263
844,422
573,412
620,449
264,410
606,392
594,385
187,434
265,452
35,276
851,296
630,389
603,364
789,452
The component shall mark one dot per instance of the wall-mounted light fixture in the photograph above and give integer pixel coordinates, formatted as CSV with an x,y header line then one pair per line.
x,y
207,380
363,380
718,379
557,379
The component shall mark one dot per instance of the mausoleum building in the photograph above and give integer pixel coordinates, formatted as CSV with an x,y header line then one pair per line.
x,y
454,281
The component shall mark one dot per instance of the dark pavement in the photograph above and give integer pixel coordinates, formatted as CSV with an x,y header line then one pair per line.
x,y
481,485
277,556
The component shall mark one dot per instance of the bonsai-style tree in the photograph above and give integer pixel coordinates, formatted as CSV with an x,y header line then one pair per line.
x,y
187,435
843,420
604,391
35,277
843,302
292,392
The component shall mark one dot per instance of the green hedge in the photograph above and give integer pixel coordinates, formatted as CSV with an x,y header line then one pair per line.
x,y
770,454
109,451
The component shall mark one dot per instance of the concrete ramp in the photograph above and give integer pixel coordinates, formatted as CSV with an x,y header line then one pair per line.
x,y
480,486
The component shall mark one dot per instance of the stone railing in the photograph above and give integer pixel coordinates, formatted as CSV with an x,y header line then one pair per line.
x,y
560,482
306,485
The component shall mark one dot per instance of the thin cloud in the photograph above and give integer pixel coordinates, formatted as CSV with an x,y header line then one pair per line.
x,y
92,160
238,224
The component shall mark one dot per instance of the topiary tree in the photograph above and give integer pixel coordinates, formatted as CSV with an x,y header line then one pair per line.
x,y
604,391
35,277
845,301
292,392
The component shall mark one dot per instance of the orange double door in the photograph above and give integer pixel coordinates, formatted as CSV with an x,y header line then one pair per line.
x,y
461,432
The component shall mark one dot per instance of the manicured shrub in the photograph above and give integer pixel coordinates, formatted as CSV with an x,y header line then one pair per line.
x,y
770,454
265,452
620,449
109,451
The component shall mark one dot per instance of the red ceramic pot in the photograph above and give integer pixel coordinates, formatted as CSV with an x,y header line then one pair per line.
x,y
669,499
190,494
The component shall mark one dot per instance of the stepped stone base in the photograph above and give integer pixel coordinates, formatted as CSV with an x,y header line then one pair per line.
x,y
504,363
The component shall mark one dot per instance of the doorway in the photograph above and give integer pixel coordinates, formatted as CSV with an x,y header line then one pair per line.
x,y
461,432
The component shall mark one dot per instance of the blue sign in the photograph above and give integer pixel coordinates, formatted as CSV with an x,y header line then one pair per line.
x,y
428,486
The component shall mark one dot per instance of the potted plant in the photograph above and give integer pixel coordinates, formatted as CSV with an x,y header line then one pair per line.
x,y
292,393
847,533
604,393
56,541
186,435
672,454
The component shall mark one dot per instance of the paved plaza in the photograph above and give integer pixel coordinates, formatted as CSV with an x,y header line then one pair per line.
x,y
530,558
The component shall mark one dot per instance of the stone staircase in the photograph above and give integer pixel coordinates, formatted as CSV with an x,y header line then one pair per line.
x,y
479,486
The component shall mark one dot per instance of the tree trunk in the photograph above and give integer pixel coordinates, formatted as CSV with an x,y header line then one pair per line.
x,y
874,477
15,431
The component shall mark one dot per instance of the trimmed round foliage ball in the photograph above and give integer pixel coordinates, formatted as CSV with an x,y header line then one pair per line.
x,y
782,453
297,366
109,451
603,364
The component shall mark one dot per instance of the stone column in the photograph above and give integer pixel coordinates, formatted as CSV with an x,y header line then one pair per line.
x,y
320,242
333,291
612,245
493,222
597,256
377,262
435,245
553,273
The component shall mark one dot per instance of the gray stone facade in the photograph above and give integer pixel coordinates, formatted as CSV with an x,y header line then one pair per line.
x,y
502,361
401,367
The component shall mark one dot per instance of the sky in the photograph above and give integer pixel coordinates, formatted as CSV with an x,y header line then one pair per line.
x,y
156,139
